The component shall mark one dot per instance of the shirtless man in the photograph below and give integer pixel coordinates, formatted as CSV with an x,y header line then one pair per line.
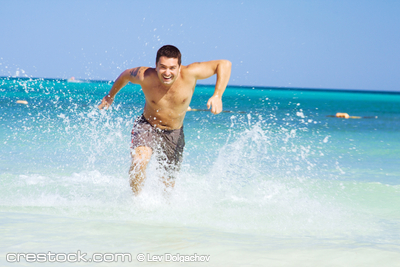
x,y
168,89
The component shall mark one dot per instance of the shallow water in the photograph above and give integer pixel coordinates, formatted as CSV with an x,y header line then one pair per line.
x,y
274,181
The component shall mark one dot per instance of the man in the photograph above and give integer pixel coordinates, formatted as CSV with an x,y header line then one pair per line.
x,y
168,89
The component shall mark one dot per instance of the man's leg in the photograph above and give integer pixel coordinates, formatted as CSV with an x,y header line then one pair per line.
x,y
170,166
173,151
137,172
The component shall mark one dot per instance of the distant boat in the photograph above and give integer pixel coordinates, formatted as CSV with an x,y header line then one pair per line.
x,y
73,80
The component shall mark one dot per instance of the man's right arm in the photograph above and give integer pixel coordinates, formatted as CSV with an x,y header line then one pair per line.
x,y
130,75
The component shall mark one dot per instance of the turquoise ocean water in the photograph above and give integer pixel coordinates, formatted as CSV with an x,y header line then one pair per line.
x,y
274,182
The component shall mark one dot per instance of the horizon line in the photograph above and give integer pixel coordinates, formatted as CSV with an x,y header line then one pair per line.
x,y
258,87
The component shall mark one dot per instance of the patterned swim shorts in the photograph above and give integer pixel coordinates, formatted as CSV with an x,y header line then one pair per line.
x,y
167,144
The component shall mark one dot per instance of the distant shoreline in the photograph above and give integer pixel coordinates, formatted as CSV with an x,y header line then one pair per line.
x,y
233,86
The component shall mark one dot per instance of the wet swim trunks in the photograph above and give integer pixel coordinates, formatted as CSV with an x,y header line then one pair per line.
x,y
167,144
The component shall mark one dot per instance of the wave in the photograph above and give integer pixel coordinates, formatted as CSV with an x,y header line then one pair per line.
x,y
263,180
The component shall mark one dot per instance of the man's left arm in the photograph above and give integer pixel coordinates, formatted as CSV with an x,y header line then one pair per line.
x,y
222,68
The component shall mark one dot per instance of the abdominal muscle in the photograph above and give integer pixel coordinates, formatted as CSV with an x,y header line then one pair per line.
x,y
164,118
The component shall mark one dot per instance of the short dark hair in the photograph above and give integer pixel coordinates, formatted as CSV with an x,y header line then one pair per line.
x,y
169,51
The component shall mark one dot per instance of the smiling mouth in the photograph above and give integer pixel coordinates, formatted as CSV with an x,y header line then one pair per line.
x,y
167,78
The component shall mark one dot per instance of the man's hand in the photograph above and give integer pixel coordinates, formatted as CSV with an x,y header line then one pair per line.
x,y
106,102
215,103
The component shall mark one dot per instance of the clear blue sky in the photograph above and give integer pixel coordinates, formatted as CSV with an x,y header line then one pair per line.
x,y
312,44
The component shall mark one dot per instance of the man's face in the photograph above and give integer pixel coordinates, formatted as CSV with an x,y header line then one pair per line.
x,y
168,70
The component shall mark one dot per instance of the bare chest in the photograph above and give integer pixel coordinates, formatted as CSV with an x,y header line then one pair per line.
x,y
176,96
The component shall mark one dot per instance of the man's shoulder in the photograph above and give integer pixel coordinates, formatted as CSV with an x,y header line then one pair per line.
x,y
199,66
196,69
148,71
140,72
143,69
192,65
188,71
191,69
